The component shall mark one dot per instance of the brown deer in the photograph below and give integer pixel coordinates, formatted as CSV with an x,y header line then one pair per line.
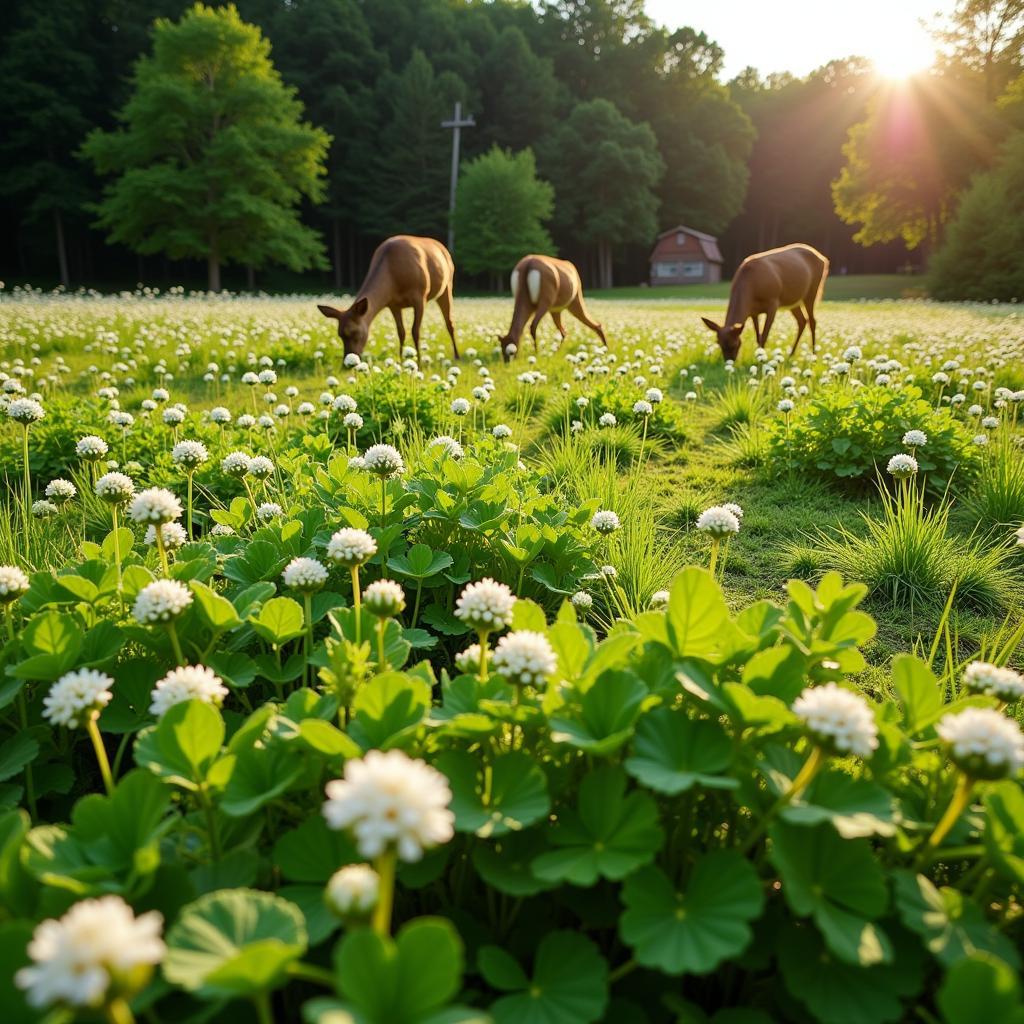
x,y
791,277
404,271
541,285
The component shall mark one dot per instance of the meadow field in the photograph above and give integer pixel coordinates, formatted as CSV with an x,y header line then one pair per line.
x,y
694,681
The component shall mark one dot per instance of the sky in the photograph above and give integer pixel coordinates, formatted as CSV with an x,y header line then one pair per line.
x,y
801,35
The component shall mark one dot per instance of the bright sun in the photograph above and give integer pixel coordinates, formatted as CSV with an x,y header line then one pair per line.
x,y
901,56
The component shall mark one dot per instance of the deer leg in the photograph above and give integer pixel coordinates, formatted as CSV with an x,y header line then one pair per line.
x,y
757,328
579,311
444,302
417,320
542,309
801,323
556,315
396,312
769,319
812,322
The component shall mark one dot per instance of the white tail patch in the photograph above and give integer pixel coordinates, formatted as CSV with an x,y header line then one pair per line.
x,y
533,284
515,282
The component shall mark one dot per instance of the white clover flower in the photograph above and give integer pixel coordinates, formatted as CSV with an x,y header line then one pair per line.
x,y
352,421
659,600
1001,683
190,454
13,583
605,521
60,491
525,658
990,422
25,411
357,462
983,743
718,521
384,460
235,464
785,405
485,606
161,601
161,395
736,510
902,465
980,440
260,467
306,409
609,572
643,408
218,414
468,661
267,377
91,448
44,508
246,421
344,403
915,438
351,547
460,406
222,530
353,890
268,510
97,942
173,416
384,598
838,719
76,695
448,444
501,431
654,395
390,801
305,575
115,488
172,534
607,420
155,505
189,682
582,601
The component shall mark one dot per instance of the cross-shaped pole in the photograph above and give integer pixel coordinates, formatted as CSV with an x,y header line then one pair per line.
x,y
457,123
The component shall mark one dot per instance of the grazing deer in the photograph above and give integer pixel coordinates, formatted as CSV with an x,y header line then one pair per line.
x,y
791,277
404,271
540,285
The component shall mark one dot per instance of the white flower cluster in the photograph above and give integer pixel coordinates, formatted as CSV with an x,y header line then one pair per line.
x,y
582,601
659,600
984,743
115,488
188,682
75,959
76,695
161,601
915,438
235,464
902,465
155,505
390,801
525,658
173,535
91,448
468,661
25,411
384,598
718,521
268,511
384,460
485,606
305,574
605,521
1002,683
350,547
190,454
13,583
448,444
260,467
60,491
838,719
353,890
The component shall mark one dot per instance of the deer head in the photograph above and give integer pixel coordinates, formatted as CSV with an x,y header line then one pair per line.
x,y
729,338
508,347
353,325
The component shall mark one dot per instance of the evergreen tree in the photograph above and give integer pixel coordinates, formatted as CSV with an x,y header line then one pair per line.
x,y
500,212
213,157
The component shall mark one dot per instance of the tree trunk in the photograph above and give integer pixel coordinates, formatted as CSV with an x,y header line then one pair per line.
x,y
336,229
604,263
250,278
353,276
62,249
213,269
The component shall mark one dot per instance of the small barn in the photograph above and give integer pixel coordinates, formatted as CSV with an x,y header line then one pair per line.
x,y
684,256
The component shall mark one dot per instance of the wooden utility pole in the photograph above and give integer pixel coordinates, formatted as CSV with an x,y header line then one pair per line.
x,y
457,123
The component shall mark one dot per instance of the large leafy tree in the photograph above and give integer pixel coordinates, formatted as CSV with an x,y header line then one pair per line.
x,y
605,169
212,158
986,36
500,212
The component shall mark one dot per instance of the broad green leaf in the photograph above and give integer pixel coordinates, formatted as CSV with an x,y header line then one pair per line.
x,y
697,613
388,710
14,939
568,985
183,745
777,672
18,889
279,620
695,930
216,611
528,615
951,924
840,883
494,796
15,753
606,714
259,774
505,863
855,807
313,852
919,692
610,834
981,990
235,942
1004,831
673,752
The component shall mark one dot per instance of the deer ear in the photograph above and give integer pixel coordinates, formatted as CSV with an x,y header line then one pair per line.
x,y
709,324
736,328
330,311
360,306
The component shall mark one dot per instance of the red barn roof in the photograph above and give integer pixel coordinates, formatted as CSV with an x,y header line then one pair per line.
x,y
708,243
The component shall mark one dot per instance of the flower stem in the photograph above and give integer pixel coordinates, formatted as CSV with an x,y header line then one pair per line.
x,y
264,1015
158,536
203,797
357,604
101,751
307,607
27,497
117,558
310,972
483,657
385,867
30,789
797,786
175,643
188,502
715,542
381,663
957,806
117,1011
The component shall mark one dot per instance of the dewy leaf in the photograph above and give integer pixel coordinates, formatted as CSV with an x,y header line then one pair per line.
x,y
610,834
981,990
951,924
840,883
569,984
695,930
919,693
696,613
234,942
673,752
490,798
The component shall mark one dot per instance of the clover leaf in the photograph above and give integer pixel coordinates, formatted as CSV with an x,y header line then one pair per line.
x,y
606,714
981,990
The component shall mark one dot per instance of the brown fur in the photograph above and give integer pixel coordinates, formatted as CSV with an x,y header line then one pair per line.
x,y
791,277
560,290
405,271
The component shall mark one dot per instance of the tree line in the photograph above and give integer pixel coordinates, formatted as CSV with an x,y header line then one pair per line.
x,y
316,132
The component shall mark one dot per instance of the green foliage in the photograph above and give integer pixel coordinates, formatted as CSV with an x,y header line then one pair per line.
x,y
500,211
213,156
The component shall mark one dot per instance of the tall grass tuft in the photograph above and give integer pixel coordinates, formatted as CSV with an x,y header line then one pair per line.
x,y
996,499
739,403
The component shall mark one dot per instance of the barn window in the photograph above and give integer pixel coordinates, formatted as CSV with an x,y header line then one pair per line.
x,y
662,269
692,268
680,239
